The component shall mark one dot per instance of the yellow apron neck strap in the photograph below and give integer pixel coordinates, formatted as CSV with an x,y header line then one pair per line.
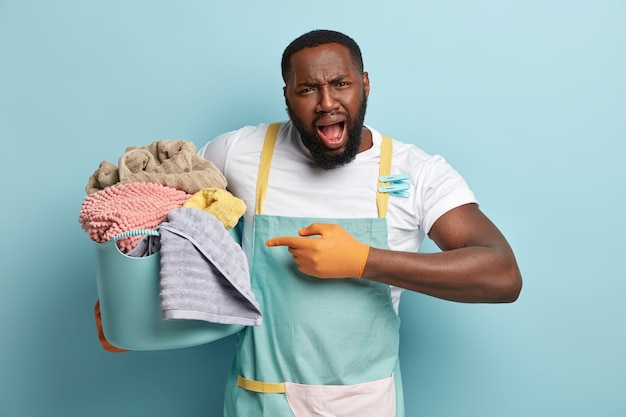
x,y
382,199
265,164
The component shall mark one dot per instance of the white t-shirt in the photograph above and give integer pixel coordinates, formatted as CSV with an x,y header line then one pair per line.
x,y
298,188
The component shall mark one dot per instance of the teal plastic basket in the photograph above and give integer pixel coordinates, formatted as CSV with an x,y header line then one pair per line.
x,y
130,305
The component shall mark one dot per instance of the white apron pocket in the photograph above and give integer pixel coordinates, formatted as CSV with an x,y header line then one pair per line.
x,y
369,399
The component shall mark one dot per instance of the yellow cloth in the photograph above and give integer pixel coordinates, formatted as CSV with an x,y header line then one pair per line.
x,y
226,207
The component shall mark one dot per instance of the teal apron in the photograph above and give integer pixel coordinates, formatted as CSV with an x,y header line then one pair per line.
x,y
329,343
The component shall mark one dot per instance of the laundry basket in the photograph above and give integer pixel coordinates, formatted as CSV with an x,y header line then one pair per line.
x,y
130,306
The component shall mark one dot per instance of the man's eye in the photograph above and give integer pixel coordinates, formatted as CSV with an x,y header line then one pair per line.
x,y
343,84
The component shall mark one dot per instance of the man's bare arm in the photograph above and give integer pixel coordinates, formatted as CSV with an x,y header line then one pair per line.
x,y
476,264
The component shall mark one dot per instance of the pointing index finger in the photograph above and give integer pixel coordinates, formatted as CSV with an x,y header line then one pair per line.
x,y
290,241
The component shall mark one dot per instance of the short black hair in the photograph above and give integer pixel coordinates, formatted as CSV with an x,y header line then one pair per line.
x,y
317,38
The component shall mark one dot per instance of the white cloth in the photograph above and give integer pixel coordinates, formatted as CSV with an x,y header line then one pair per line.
x,y
297,187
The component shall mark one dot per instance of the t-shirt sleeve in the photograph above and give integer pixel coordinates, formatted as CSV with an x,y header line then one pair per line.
x,y
226,145
441,188
217,149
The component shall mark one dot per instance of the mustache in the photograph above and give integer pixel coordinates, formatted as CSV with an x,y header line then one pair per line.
x,y
347,121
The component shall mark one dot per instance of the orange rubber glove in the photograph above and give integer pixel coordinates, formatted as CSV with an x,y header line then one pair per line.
x,y
103,340
334,254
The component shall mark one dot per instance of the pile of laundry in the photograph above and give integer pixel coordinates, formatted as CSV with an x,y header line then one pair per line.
x,y
166,186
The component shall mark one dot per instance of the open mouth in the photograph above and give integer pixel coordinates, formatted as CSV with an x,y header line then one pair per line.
x,y
332,135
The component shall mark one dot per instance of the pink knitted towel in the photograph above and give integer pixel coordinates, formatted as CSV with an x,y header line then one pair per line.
x,y
123,207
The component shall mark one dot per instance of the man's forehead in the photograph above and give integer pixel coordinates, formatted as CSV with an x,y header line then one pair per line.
x,y
321,52
328,61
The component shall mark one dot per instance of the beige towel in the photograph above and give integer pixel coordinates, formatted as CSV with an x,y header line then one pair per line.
x,y
173,163
105,176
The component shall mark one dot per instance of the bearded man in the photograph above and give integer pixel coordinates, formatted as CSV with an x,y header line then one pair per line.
x,y
336,215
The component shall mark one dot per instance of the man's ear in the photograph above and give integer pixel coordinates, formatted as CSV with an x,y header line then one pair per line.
x,y
285,96
366,83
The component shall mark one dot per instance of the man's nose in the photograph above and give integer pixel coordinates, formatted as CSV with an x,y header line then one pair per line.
x,y
327,102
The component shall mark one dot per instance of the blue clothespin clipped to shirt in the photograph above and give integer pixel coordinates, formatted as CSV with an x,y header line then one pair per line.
x,y
397,185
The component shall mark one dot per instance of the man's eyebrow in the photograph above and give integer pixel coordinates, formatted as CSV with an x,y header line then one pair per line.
x,y
316,84
338,78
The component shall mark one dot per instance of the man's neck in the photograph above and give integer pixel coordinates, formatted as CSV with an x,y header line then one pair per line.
x,y
366,140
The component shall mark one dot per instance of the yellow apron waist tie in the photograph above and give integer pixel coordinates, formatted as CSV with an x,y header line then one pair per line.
x,y
262,387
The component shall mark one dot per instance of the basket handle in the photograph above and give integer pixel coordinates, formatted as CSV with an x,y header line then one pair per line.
x,y
137,232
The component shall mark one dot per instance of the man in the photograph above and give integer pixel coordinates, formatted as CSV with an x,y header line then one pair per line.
x,y
336,214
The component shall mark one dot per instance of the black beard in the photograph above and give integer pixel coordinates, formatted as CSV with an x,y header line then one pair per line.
x,y
320,155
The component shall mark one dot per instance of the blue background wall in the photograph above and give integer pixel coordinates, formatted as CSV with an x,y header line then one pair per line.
x,y
527,99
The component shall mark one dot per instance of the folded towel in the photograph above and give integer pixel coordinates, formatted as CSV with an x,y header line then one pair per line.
x,y
123,207
226,207
204,273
